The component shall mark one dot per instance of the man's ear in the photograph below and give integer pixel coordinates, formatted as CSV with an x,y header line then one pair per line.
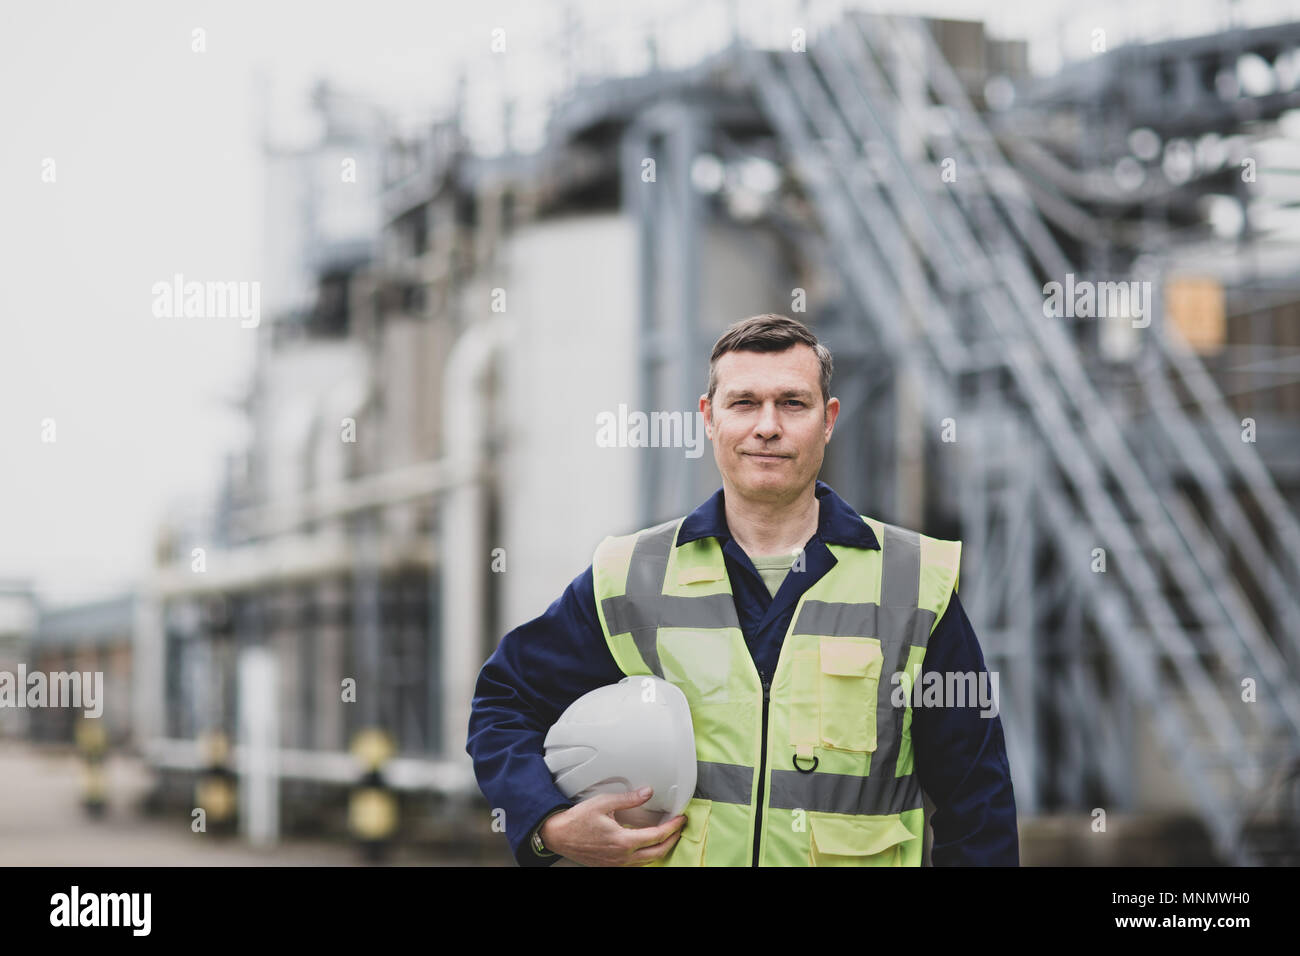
x,y
831,413
706,407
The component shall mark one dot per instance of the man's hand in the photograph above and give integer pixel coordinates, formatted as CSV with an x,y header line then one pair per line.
x,y
588,833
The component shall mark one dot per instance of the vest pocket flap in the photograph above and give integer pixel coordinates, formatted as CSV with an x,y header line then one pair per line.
x,y
845,835
698,575
697,820
851,656
689,848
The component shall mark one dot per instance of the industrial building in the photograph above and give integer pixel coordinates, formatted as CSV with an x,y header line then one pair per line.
x,y
449,327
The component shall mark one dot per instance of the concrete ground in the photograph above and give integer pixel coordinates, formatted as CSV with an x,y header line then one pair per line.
x,y
42,823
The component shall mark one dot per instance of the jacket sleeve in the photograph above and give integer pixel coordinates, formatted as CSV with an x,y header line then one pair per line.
x,y
961,758
537,670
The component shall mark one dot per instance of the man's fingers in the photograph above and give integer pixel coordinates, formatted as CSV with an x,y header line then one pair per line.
x,y
650,836
655,852
607,802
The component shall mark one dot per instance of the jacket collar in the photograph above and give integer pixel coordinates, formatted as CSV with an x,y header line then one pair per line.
x,y
838,522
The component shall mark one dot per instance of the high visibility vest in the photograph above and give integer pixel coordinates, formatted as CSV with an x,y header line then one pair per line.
x,y
817,770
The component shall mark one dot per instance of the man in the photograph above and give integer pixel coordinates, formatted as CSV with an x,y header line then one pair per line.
x,y
796,629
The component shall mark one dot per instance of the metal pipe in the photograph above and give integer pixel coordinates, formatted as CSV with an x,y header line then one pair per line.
x,y
463,552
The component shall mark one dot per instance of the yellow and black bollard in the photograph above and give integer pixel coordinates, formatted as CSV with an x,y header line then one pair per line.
x,y
372,805
92,745
215,789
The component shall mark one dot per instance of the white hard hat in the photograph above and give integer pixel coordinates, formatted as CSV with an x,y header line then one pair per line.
x,y
625,736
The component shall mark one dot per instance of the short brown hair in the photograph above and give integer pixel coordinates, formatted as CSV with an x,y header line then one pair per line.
x,y
769,332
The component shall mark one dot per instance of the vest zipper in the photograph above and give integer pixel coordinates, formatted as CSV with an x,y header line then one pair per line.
x,y
762,762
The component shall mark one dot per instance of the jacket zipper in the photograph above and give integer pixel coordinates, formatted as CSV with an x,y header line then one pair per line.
x,y
762,762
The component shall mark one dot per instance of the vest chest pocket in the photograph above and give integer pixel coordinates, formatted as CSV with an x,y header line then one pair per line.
x,y
839,840
847,685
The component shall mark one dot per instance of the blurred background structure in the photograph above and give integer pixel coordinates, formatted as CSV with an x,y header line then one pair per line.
x,y
423,473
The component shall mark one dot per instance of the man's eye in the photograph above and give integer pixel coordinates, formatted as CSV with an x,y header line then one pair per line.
x,y
794,401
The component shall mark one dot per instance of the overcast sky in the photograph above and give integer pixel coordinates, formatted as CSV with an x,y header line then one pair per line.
x,y
157,171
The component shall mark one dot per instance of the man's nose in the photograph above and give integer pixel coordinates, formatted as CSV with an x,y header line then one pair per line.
x,y
769,423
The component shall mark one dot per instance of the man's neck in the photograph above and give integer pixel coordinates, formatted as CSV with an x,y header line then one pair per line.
x,y
765,528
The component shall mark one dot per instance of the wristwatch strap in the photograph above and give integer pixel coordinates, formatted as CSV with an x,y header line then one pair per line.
x,y
538,847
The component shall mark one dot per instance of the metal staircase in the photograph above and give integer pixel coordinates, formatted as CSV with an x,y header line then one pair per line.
x,y
948,278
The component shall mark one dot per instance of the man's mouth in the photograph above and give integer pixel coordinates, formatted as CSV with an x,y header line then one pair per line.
x,y
754,454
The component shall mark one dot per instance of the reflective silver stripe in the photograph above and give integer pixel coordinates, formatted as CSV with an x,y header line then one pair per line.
x,y
842,793
644,608
836,619
863,620
900,577
637,609
708,610
902,623
723,782
628,613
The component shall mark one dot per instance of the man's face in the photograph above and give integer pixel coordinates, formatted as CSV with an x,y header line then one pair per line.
x,y
767,422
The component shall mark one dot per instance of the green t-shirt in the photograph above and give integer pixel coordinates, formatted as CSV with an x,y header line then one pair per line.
x,y
773,569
